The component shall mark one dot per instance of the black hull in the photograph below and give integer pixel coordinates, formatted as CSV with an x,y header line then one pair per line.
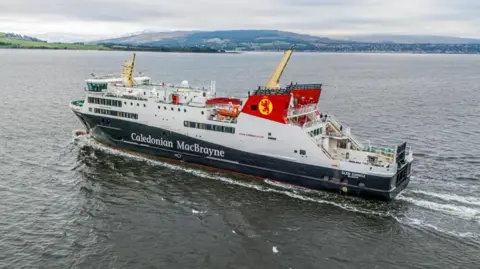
x,y
125,135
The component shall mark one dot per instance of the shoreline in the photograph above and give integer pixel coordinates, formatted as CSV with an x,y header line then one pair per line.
x,y
186,50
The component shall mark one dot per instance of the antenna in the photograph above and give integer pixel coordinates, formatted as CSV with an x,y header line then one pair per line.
x,y
274,81
212,87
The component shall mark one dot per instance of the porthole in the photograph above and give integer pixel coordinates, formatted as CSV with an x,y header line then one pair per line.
x,y
138,104
144,105
184,110
179,110
158,107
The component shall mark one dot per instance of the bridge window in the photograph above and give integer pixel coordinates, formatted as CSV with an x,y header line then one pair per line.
x,y
96,87
303,152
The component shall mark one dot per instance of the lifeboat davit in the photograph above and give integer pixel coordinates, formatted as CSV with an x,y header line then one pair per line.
x,y
229,111
223,100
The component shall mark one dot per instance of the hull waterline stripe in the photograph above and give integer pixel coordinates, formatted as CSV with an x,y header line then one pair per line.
x,y
108,127
252,166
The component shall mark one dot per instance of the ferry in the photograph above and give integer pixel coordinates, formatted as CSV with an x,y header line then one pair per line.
x,y
273,132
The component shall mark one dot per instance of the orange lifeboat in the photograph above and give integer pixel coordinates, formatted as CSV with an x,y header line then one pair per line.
x,y
229,111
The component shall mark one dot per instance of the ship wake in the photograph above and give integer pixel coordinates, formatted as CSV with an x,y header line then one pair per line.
x,y
407,213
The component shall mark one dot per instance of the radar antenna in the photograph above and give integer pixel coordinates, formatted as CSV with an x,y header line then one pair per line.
x,y
127,71
274,81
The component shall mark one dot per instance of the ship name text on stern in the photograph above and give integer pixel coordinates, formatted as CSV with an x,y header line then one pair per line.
x,y
352,175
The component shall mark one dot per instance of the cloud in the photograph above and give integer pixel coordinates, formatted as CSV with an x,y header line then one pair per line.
x,y
318,17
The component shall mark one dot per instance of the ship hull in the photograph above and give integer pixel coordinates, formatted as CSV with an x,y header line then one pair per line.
x,y
158,142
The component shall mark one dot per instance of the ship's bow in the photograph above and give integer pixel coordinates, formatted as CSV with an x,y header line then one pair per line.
x,y
76,107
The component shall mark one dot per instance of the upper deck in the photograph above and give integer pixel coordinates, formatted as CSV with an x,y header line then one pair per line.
x,y
295,104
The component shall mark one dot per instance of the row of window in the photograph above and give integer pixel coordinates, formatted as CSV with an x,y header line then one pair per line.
x,y
116,113
316,132
107,102
210,127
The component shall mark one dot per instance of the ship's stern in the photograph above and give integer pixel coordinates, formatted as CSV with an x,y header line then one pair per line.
x,y
401,179
387,188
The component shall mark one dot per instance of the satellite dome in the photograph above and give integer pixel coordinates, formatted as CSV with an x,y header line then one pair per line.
x,y
185,83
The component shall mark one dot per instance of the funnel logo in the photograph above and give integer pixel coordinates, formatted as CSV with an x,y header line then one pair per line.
x,y
265,107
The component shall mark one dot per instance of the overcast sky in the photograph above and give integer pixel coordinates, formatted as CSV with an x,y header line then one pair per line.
x,y
317,17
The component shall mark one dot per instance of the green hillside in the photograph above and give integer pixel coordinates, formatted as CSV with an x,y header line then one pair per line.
x,y
24,42
15,41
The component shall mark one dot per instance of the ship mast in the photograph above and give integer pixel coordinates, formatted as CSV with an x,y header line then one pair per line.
x,y
127,72
274,81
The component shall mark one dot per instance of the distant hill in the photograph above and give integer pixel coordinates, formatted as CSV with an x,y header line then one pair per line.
x,y
254,40
16,41
227,40
410,39
19,37
280,40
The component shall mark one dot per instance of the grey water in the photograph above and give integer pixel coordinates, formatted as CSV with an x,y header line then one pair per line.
x,y
68,202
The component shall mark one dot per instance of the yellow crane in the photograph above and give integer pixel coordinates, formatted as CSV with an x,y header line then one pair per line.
x,y
127,72
274,81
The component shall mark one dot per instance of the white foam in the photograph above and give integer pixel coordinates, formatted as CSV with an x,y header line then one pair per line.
x,y
198,211
456,210
274,249
450,197
447,184
417,223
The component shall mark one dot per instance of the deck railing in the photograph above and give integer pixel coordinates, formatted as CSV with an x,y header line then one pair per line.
x,y
312,123
304,86
293,112
345,130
